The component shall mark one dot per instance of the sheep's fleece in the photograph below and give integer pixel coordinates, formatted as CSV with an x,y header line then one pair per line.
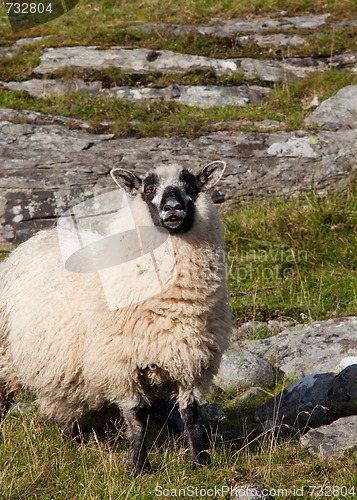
x,y
59,339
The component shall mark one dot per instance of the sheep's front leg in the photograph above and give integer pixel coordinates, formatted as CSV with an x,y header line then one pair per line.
x,y
137,420
193,430
5,402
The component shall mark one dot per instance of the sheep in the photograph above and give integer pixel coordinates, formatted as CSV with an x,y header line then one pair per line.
x,y
60,340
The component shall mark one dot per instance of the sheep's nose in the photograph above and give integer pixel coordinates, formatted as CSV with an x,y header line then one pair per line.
x,y
171,205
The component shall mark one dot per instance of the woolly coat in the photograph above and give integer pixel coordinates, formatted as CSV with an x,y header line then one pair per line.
x,y
59,339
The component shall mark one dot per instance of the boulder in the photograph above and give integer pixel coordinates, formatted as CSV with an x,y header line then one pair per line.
x,y
322,346
342,396
240,369
340,111
332,440
302,405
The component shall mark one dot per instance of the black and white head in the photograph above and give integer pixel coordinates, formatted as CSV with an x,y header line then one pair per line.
x,y
170,192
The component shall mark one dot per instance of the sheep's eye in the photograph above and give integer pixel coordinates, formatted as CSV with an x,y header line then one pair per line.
x,y
192,189
148,191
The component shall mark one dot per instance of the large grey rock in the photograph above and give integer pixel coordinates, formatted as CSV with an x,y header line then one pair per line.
x,y
340,111
35,118
322,346
240,369
332,440
342,397
144,61
302,405
130,60
46,168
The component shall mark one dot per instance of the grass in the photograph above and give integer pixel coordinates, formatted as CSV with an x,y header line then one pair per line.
x,y
294,259
36,462
286,105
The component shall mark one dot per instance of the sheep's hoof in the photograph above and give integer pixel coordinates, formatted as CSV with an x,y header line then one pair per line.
x,y
202,458
143,470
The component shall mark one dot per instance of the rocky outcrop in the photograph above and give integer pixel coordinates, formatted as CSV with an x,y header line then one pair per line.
x,y
320,347
48,168
193,95
144,61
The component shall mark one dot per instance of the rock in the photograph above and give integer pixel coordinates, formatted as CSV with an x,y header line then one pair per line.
x,y
58,87
8,52
130,60
144,61
239,369
277,40
212,411
195,95
300,406
250,492
47,168
306,349
340,111
31,41
342,397
33,117
332,440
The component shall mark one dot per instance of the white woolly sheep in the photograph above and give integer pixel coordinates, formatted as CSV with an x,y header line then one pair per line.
x,y
60,340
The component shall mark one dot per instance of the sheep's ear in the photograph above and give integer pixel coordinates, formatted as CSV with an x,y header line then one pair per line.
x,y
126,180
211,174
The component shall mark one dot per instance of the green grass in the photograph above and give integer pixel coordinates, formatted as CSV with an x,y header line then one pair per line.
x,y
36,462
293,258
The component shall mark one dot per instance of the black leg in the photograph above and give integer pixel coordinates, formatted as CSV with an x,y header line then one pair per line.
x,y
5,402
190,417
137,421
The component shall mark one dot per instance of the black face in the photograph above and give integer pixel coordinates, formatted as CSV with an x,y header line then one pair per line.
x,y
172,206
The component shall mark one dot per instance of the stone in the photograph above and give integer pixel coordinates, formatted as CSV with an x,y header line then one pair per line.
x,y
47,167
319,347
332,440
240,369
144,61
8,52
302,405
342,396
340,111
130,60
32,41
195,95
35,118
276,40
212,411
250,492
56,87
